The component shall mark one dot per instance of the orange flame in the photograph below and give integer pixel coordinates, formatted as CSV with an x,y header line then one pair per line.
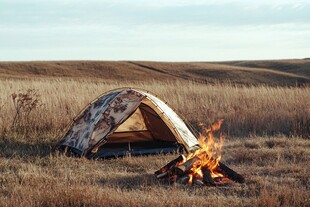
x,y
209,154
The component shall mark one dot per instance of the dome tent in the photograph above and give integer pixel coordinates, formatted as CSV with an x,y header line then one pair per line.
x,y
127,121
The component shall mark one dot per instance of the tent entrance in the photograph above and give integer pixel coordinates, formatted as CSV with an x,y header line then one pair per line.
x,y
136,148
144,132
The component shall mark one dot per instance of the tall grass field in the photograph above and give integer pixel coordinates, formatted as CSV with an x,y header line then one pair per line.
x,y
266,129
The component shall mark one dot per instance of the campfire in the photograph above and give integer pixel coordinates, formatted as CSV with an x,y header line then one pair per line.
x,y
202,167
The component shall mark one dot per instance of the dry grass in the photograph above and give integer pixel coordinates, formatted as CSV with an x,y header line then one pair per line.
x,y
247,111
276,171
267,130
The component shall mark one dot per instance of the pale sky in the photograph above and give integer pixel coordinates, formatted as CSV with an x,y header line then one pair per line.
x,y
161,30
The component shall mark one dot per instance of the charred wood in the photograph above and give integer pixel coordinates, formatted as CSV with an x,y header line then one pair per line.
x,y
162,175
218,179
197,181
170,165
183,180
186,167
229,173
207,178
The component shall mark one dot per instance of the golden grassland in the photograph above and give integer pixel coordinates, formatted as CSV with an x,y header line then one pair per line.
x,y
260,110
276,171
267,141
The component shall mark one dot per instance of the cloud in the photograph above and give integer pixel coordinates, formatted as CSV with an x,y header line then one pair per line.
x,y
139,12
156,42
154,30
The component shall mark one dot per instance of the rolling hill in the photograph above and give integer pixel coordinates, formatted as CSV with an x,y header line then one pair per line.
x,y
272,72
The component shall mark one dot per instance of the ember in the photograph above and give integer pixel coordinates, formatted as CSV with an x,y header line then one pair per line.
x,y
202,167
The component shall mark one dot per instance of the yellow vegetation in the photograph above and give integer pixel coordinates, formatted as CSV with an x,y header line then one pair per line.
x,y
266,141
246,111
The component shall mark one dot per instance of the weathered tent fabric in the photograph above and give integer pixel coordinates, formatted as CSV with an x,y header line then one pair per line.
x,y
178,124
126,114
134,123
101,118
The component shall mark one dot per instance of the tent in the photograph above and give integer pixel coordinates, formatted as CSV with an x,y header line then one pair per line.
x,y
127,121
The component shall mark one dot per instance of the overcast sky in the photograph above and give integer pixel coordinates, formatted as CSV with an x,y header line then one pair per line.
x,y
160,30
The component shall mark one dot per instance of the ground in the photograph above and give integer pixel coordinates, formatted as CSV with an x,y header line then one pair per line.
x,y
266,128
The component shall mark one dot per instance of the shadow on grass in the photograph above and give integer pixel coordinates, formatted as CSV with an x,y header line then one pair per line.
x,y
10,147
131,182
148,181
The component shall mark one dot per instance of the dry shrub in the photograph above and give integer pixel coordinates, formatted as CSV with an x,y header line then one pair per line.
x,y
24,103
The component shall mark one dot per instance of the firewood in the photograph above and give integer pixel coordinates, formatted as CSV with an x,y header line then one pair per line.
x,y
178,172
183,180
229,173
170,165
207,178
218,179
186,167
172,179
197,181
162,175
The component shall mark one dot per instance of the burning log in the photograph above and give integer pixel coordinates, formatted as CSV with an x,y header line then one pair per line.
x,y
229,173
207,178
185,168
182,172
202,167
162,171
